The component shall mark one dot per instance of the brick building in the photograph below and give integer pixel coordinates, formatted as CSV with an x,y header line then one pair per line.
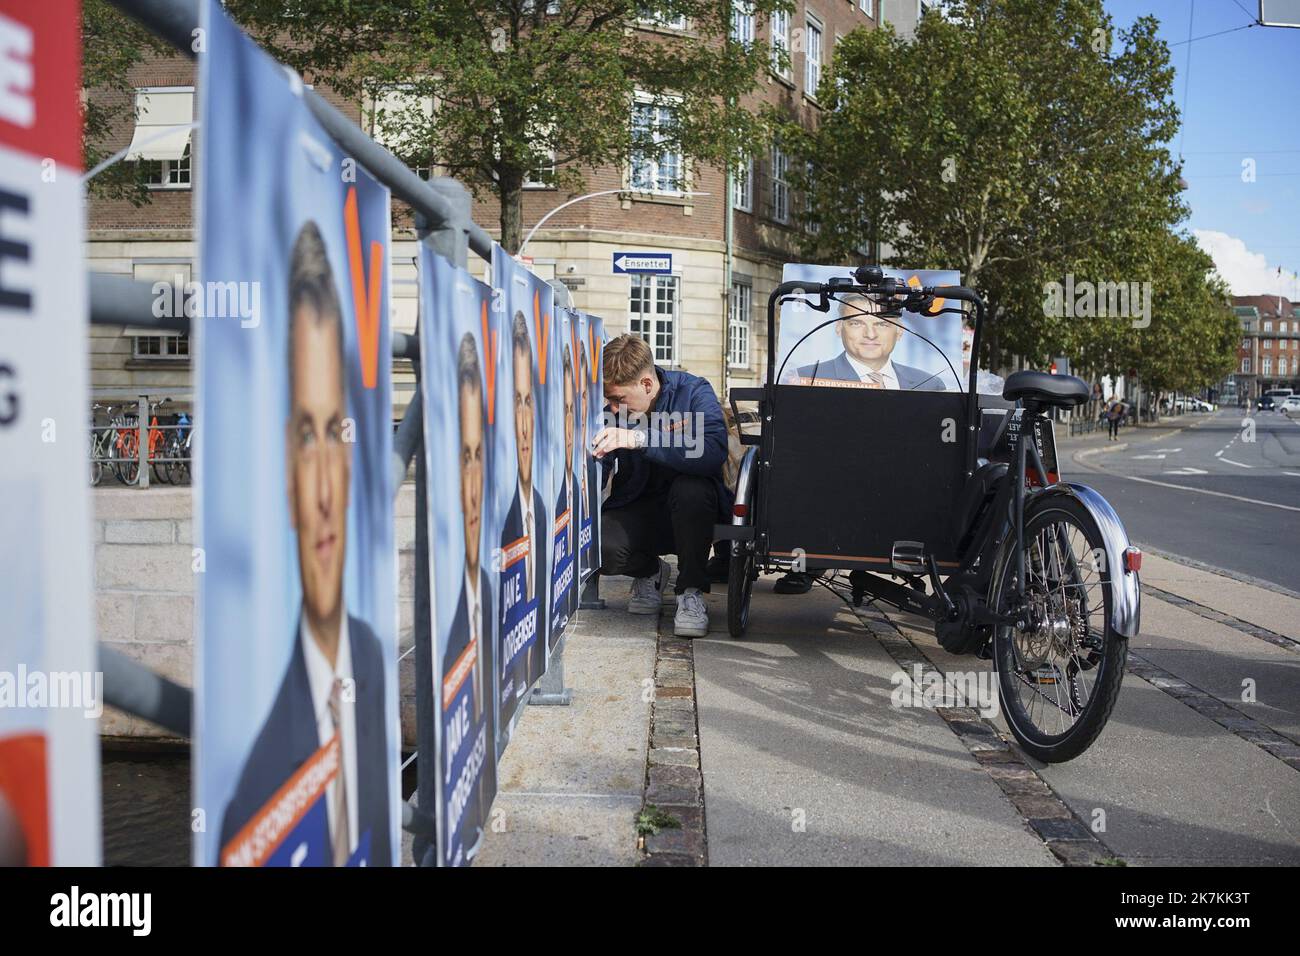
x,y
1268,355
728,236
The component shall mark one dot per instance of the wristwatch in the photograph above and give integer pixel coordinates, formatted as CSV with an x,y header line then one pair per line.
x,y
638,438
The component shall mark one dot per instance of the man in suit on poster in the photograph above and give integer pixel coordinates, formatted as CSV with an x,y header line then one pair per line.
x,y
525,526
869,339
334,684
470,651
565,517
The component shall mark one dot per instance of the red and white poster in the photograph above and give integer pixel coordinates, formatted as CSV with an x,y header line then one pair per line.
x,y
50,692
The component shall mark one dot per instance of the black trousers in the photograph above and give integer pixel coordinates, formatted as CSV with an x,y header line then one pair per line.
x,y
1114,427
677,520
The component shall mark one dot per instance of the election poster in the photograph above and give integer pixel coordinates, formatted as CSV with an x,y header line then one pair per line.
x,y
591,344
587,465
50,688
863,348
296,699
562,418
461,348
523,311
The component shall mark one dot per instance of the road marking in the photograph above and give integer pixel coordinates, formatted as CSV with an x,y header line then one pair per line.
x,y
1200,491
1218,454
1186,471
1239,464
1141,457
1171,451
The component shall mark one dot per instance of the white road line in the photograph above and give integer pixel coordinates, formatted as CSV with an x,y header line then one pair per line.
x,y
1293,474
1202,491
1187,471
1239,464
1218,454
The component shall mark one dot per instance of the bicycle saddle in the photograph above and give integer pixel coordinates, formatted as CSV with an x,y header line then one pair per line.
x,y
1063,390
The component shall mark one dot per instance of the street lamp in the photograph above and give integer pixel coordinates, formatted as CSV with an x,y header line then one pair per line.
x,y
566,205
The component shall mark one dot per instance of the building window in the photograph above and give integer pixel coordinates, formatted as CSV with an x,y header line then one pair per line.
x,y
1281,326
1268,325
738,320
780,27
812,73
1245,366
399,120
1266,365
1281,366
742,22
161,140
780,198
652,314
652,14
656,168
1268,344
865,7
742,187
161,347
150,344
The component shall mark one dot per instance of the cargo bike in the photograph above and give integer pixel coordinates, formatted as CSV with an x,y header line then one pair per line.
x,y
932,502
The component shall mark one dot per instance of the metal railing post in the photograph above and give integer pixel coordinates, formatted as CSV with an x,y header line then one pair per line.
x,y
142,449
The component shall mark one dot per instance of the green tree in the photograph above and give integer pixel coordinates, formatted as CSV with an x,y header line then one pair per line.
x,y
1015,140
518,86
111,45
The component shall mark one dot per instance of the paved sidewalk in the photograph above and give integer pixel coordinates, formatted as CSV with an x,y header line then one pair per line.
x,y
806,763
571,781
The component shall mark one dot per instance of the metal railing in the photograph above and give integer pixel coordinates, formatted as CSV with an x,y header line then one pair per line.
x,y
444,224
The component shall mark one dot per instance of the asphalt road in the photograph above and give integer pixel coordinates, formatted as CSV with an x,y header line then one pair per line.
x,y
1211,490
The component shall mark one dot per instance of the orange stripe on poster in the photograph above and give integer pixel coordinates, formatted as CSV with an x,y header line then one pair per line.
x,y
261,836
23,784
452,681
490,364
542,332
365,298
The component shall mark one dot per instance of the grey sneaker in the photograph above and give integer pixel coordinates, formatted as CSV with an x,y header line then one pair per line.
x,y
692,618
648,593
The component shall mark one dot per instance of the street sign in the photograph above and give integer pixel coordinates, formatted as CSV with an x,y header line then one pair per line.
x,y
625,262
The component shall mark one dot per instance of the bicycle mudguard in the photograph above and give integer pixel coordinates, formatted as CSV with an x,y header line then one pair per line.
x,y
1125,588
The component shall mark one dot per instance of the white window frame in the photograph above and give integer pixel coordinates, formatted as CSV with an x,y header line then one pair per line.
x,y
172,174
740,322
655,163
660,332
1266,365
428,104
655,18
778,27
814,35
1245,366
173,347
1282,366
866,7
742,23
1268,325
779,185
742,187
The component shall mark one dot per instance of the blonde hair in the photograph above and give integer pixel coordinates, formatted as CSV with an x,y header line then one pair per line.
x,y
627,358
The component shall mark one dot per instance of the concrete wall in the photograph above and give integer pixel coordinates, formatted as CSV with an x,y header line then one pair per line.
x,y
145,588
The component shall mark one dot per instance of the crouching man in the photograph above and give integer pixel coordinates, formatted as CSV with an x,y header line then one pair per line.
x,y
666,449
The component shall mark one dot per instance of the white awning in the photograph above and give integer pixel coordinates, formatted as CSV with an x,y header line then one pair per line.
x,y
162,125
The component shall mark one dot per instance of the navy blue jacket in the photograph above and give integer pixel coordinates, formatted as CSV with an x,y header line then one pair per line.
x,y
689,395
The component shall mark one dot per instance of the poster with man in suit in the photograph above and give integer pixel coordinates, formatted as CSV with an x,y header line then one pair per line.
x,y
591,333
460,362
866,347
524,309
297,730
562,418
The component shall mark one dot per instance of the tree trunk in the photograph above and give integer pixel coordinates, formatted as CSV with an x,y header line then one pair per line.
x,y
510,191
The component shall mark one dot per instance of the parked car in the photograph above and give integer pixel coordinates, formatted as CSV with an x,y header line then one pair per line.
x,y
1290,406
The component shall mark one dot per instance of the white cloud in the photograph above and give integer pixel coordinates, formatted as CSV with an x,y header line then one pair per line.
x,y
1246,272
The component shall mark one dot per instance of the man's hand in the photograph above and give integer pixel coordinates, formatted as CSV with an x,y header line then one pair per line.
x,y
612,439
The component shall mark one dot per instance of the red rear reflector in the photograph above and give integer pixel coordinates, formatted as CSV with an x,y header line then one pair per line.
x,y
1132,559
739,510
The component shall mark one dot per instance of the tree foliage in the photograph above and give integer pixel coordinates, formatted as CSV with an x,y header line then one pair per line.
x,y
111,45
519,85
1020,141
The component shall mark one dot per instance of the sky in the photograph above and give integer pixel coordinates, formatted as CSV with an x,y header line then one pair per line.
x,y
1239,94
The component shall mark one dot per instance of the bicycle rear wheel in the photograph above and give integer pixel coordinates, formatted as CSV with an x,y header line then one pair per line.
x,y
1060,676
